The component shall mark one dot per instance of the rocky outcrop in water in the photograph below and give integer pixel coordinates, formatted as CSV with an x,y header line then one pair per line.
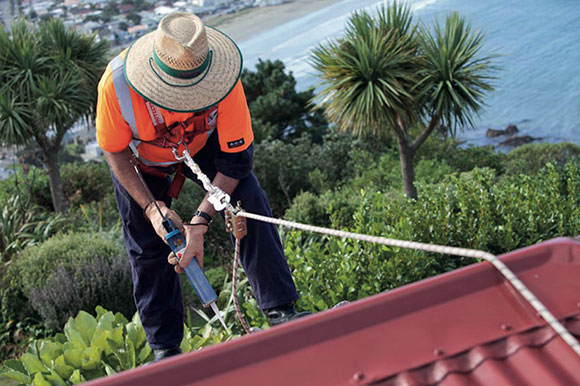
x,y
510,130
513,140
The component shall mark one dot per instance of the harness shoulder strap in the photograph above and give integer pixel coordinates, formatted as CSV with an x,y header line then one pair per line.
x,y
156,117
123,94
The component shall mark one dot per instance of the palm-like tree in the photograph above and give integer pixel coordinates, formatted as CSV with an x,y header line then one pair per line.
x,y
48,81
389,75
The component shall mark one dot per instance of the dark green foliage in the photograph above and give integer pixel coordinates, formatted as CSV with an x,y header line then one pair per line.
x,y
278,110
282,169
286,169
462,159
307,208
62,265
473,210
465,159
16,335
530,158
82,183
86,182
332,207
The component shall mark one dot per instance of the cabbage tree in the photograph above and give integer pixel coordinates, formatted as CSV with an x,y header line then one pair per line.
x,y
48,81
389,75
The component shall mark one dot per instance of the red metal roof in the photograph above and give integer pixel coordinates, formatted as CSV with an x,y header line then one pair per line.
x,y
466,327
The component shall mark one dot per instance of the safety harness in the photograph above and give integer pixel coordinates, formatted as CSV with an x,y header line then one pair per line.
x,y
166,136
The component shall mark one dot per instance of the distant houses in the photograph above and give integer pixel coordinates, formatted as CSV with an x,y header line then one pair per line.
x,y
121,22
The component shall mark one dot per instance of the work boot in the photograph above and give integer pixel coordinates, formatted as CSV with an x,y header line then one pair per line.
x,y
162,353
283,314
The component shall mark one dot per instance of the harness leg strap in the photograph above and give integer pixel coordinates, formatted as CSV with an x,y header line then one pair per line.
x,y
177,183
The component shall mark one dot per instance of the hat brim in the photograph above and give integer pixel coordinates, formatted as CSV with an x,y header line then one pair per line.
x,y
184,95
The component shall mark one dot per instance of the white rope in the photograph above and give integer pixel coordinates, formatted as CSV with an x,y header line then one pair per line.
x,y
221,200
442,249
217,197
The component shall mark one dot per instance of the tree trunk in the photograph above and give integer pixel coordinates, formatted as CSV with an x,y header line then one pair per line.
x,y
407,155
56,188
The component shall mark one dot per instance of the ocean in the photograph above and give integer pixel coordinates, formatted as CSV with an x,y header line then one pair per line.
x,y
538,87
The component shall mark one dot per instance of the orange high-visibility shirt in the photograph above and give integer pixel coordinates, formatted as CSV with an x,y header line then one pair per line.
x,y
234,126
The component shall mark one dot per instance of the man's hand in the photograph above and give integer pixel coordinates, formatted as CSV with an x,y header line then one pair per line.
x,y
156,219
194,248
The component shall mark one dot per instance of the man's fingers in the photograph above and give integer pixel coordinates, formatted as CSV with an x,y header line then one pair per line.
x,y
189,255
199,260
171,259
174,218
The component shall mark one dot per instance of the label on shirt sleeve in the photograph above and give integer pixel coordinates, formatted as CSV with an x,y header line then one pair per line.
x,y
236,143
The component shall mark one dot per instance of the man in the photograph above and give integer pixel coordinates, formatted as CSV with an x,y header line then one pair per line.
x,y
175,87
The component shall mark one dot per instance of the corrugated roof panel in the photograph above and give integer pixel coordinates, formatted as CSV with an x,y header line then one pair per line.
x,y
531,357
466,327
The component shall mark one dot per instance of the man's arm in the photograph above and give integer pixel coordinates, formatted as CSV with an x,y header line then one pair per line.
x,y
120,164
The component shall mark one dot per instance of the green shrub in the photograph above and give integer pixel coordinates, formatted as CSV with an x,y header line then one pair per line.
x,y
30,183
82,183
461,159
56,280
309,209
282,169
278,110
472,210
530,158
431,171
466,159
86,182
98,280
383,174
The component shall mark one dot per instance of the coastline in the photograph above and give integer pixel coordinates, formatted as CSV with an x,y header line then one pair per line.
x,y
249,22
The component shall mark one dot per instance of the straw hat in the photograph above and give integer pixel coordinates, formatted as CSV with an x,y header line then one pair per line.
x,y
183,66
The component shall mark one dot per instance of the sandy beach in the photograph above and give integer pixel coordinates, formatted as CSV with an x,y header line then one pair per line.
x,y
249,22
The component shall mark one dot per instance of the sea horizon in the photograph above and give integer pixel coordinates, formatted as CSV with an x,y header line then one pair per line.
x,y
538,44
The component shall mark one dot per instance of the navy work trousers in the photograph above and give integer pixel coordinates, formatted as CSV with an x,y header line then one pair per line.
x,y
156,287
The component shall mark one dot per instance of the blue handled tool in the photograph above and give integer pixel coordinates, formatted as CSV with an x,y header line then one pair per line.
x,y
193,271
